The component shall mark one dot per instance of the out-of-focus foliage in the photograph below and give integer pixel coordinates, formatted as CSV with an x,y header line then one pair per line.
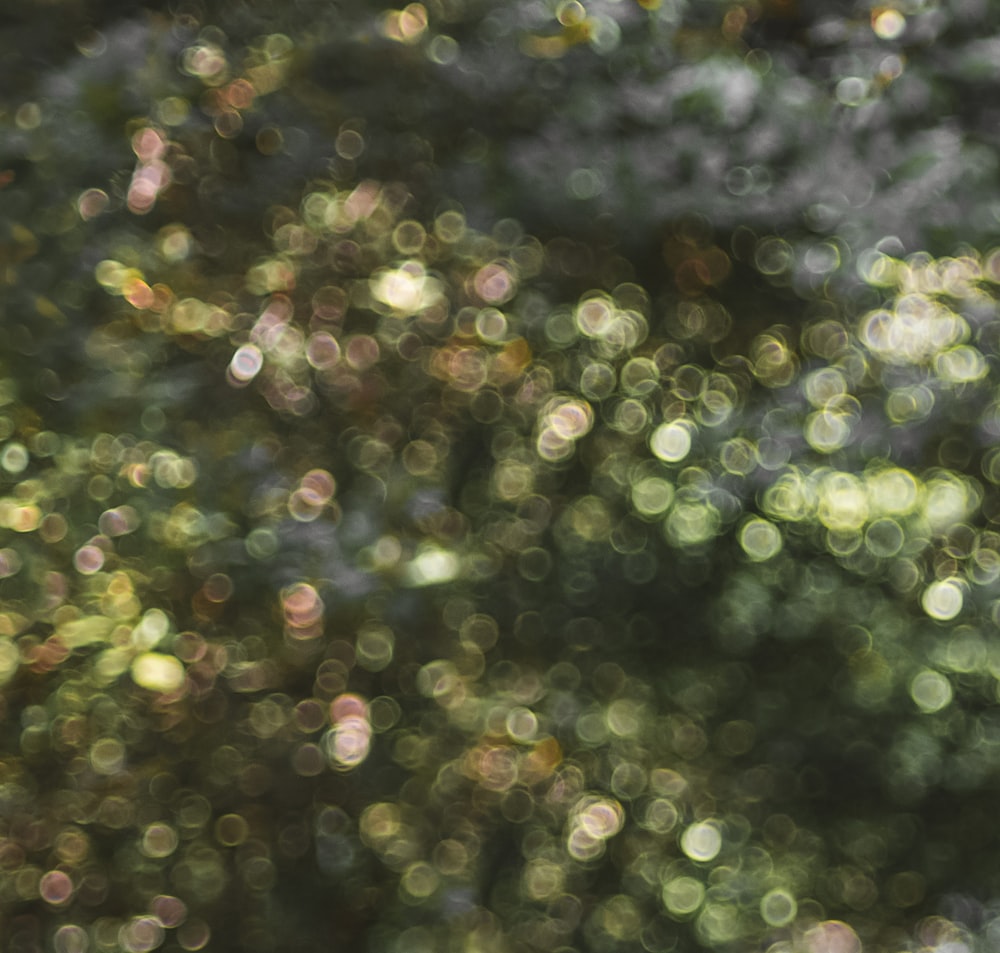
x,y
609,119
378,574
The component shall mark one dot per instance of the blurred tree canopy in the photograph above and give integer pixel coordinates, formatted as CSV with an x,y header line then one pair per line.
x,y
499,478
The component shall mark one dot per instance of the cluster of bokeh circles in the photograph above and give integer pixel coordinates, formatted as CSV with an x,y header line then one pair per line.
x,y
452,590
480,654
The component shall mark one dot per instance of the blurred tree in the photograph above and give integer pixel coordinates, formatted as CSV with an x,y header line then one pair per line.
x,y
498,478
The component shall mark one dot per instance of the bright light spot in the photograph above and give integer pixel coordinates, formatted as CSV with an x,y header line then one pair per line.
x,y
594,821
893,491
349,740
148,144
91,203
943,599
691,522
760,539
107,756
141,934
594,317
851,91
949,500
960,365
824,385
878,269
931,691
405,26
738,456
153,626
205,60
827,431
571,419
778,907
406,289
652,496
888,24
304,506
443,50
157,672
118,521
914,332
112,275
420,880
374,647
138,294
773,256
682,896
789,498
348,705
88,559
831,936
702,841
822,258
55,887
522,724
491,325
671,442
843,504
437,679
158,840
661,815
14,458
246,363
174,242
303,609
323,350
261,543
169,910
884,538
601,818
432,567
494,284
543,880
148,181
170,470
319,485
564,422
